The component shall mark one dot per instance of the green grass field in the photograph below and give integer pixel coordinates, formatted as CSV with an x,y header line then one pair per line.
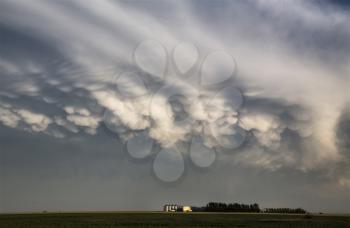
x,y
126,219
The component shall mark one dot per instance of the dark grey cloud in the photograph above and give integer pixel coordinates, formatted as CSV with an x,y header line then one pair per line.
x,y
343,132
83,175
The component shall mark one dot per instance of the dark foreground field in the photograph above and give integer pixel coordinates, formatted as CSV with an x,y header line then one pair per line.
x,y
100,220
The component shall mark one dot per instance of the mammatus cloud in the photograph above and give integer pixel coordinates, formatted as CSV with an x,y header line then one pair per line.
x,y
74,67
13,117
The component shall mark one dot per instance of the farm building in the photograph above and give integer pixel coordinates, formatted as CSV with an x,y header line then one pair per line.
x,y
170,207
186,209
176,208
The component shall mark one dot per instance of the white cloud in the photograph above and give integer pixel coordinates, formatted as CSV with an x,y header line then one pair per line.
x,y
37,122
8,118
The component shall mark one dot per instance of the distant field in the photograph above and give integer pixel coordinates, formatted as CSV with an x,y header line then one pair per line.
x,y
143,219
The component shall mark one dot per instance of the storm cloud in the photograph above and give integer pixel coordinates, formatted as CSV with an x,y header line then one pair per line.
x,y
262,85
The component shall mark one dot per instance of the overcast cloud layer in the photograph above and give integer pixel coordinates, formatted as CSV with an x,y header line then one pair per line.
x,y
66,113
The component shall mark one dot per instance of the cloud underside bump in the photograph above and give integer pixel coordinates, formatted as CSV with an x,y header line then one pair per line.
x,y
62,68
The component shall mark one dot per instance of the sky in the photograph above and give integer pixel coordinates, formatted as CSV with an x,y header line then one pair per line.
x,y
129,105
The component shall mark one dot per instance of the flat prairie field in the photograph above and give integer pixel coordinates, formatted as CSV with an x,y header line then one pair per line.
x,y
160,219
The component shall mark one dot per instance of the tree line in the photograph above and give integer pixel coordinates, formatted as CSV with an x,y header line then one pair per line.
x,y
238,207
285,210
